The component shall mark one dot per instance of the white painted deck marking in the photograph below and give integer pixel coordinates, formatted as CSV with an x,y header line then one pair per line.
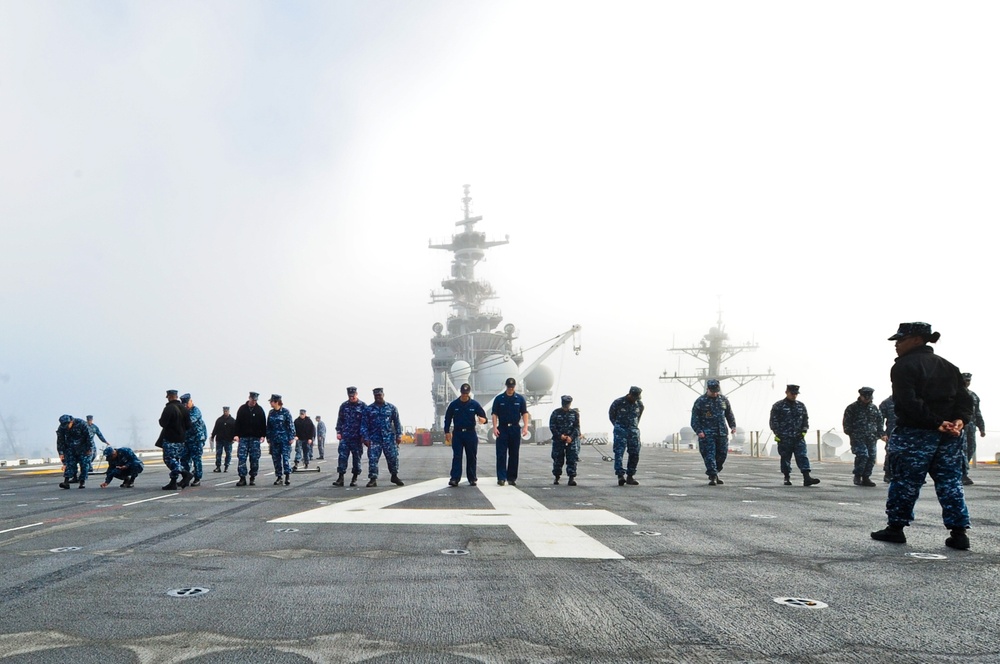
x,y
10,530
547,533
167,495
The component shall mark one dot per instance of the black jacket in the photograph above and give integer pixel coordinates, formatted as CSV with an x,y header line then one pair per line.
x,y
304,428
175,421
928,390
251,422
224,429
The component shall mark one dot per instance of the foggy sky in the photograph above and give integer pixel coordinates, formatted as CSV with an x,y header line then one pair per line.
x,y
232,196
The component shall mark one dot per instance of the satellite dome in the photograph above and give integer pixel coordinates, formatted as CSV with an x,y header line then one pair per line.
x,y
460,372
541,379
492,371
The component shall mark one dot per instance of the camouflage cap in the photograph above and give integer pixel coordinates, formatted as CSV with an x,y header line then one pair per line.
x,y
912,329
794,389
866,390
567,399
967,376
108,451
65,419
713,385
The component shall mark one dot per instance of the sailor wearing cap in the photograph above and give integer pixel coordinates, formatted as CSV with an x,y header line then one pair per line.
x,y
564,423
73,442
123,464
970,431
864,425
510,421
381,432
174,423
94,431
465,412
625,413
790,422
251,428
709,416
194,444
305,433
933,408
349,434
280,434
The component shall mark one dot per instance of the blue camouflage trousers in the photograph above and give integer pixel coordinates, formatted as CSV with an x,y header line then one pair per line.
x,y
173,453
714,449
970,449
915,454
281,456
248,447
570,454
626,439
790,445
391,451
864,456
352,448
192,457
77,464
130,471
303,450
223,446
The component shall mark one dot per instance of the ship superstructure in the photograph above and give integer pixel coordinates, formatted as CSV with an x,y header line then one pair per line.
x,y
469,348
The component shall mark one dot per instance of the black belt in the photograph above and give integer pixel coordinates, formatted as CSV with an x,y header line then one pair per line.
x,y
510,424
464,429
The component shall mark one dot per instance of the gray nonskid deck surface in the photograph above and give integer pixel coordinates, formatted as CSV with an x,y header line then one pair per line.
x,y
697,577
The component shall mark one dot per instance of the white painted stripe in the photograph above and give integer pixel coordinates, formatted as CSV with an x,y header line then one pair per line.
x,y
10,530
168,495
547,533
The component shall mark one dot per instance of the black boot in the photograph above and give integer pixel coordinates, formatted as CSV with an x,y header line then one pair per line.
x,y
288,480
712,480
354,479
340,480
252,478
857,480
278,481
631,481
572,481
890,533
196,482
958,540
242,482
788,480
82,485
621,480
218,469
64,484
371,482
172,485
807,479
395,480
867,481
185,479
556,480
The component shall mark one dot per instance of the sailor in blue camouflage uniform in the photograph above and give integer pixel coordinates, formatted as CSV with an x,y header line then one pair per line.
x,y
174,424
709,416
465,413
933,408
381,433
970,432
74,444
250,431
320,437
790,422
123,464
94,431
863,424
888,411
564,424
625,413
280,434
349,434
194,443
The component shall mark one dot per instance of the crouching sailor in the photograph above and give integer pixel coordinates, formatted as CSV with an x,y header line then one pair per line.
x,y
123,464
